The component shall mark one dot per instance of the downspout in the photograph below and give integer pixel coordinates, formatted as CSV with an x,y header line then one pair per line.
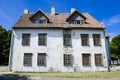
x,y
11,52
108,53
109,60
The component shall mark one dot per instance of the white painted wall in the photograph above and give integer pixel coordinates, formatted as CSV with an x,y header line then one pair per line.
x,y
55,50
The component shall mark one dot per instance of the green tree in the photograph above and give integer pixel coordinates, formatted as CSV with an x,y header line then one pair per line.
x,y
115,47
5,37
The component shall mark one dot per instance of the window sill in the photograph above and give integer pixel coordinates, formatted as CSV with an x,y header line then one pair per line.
x,y
68,65
86,66
42,65
85,45
27,65
98,45
26,45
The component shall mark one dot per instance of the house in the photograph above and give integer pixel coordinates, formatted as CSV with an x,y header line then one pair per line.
x,y
64,42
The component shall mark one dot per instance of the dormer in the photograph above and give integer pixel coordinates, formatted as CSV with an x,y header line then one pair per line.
x,y
76,17
39,18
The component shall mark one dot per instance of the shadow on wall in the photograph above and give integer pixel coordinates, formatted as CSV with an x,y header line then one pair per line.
x,y
12,77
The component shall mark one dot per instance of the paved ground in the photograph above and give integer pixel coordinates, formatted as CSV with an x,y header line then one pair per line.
x,y
4,70
47,78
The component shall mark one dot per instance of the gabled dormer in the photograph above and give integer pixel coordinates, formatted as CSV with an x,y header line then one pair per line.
x,y
76,17
39,18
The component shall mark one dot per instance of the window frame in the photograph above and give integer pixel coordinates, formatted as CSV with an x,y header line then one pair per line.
x,y
64,39
84,39
77,22
83,60
45,38
23,41
69,61
40,21
25,61
44,59
101,60
96,39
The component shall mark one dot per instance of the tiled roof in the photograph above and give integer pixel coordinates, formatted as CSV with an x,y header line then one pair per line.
x,y
57,21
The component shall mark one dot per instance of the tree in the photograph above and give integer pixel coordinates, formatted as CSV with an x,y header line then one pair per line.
x,y
115,47
5,37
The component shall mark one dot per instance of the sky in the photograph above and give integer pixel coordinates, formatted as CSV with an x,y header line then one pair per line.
x,y
106,12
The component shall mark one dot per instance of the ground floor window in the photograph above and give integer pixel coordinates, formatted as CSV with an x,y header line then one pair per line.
x,y
27,59
41,60
67,59
86,60
98,59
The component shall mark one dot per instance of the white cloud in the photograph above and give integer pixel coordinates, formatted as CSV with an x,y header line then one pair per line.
x,y
112,21
111,34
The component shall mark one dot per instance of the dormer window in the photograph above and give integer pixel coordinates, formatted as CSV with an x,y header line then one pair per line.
x,y
40,21
77,22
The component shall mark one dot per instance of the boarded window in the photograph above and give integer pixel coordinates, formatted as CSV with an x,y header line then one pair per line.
x,y
98,59
42,39
67,59
67,39
25,39
27,59
85,39
41,60
96,39
86,60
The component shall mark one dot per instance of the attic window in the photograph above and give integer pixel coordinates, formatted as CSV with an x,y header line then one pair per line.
x,y
77,22
40,21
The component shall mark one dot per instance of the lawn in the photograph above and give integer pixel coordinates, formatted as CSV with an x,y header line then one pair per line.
x,y
113,74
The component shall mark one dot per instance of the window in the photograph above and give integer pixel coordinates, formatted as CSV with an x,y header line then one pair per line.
x,y
27,59
42,39
67,59
86,60
40,21
77,22
67,39
41,59
96,39
26,39
98,59
85,39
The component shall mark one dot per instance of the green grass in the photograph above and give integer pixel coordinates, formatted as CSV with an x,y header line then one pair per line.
x,y
113,74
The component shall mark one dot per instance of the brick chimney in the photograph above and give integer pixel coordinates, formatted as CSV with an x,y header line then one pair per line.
x,y
72,10
52,10
26,11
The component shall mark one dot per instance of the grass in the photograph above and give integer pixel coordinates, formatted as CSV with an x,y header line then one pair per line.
x,y
113,74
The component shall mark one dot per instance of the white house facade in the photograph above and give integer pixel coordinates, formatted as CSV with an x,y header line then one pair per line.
x,y
50,42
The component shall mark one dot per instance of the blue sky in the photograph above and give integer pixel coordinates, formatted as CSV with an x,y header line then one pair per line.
x,y
105,11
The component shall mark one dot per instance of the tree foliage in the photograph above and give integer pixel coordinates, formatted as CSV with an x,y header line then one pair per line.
x,y
115,47
5,37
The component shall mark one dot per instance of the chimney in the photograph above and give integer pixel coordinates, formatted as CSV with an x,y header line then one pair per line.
x,y
72,10
52,10
26,11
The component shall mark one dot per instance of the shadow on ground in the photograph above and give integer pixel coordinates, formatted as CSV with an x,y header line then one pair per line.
x,y
13,77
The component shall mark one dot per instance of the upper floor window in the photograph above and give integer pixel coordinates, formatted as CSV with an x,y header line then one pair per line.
x,y
25,39
96,39
40,21
85,39
27,59
42,39
77,21
86,60
41,61
67,39
67,59
98,59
